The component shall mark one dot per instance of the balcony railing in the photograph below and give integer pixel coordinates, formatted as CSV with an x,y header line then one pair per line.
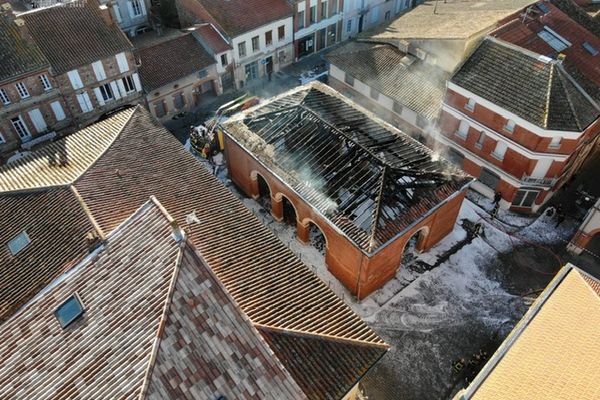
x,y
546,182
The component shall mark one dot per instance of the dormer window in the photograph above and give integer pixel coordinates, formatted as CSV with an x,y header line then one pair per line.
x,y
470,105
510,126
69,311
555,142
18,243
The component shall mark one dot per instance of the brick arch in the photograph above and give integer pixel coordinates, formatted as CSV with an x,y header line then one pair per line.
x,y
280,196
423,233
305,223
254,174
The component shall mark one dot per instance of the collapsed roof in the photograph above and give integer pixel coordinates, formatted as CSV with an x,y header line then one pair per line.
x,y
367,178
534,87
114,166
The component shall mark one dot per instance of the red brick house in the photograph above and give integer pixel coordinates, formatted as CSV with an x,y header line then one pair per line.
x,y
337,168
522,121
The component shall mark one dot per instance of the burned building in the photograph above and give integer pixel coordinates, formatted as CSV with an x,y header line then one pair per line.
x,y
365,185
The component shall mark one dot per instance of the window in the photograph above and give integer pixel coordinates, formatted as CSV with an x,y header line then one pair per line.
x,y
281,33
397,108
135,8
59,113
525,198
18,243
313,14
128,84
500,150
334,7
463,129
510,126
480,140
106,92
20,127
224,60
555,142
323,9
4,97
242,49
349,26
374,94
397,7
268,38
300,19
387,15
590,49
159,108
349,79
422,122
179,101
45,82
255,44
553,39
488,178
22,89
122,62
455,157
75,79
470,105
203,73
251,71
99,71
85,102
69,311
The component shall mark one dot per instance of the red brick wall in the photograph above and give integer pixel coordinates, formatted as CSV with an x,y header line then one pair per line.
x,y
358,272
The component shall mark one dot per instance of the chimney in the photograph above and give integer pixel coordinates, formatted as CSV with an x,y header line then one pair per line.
x,y
106,13
177,233
6,9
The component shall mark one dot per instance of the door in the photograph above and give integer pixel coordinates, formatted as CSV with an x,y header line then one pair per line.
x,y
269,65
360,23
322,34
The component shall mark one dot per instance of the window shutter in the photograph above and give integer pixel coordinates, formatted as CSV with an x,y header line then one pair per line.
x,y
75,79
136,82
58,111
117,12
143,7
99,97
88,102
121,87
130,9
115,90
99,71
122,62
38,120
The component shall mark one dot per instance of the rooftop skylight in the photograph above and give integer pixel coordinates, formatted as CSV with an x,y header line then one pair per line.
x,y
553,39
590,49
18,243
69,311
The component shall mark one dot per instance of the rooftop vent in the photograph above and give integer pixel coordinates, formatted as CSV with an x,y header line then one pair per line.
x,y
18,243
177,233
590,49
69,311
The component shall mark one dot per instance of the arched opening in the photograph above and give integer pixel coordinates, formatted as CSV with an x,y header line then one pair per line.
x,y
264,192
289,211
316,237
414,246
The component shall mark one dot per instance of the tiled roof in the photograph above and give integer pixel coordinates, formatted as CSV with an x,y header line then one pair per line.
x,y
62,162
146,297
418,86
57,227
368,179
240,16
17,55
213,38
324,368
454,19
580,15
578,61
172,60
536,89
553,352
264,277
74,34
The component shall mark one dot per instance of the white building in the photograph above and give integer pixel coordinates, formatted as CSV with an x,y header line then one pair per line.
x,y
360,15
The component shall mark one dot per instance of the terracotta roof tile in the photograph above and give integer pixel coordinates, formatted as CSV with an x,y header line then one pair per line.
x,y
74,34
553,351
213,38
57,227
171,60
19,56
142,285
239,16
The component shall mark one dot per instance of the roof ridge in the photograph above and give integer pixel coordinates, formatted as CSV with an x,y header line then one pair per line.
x,y
339,339
87,212
548,97
377,210
168,300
